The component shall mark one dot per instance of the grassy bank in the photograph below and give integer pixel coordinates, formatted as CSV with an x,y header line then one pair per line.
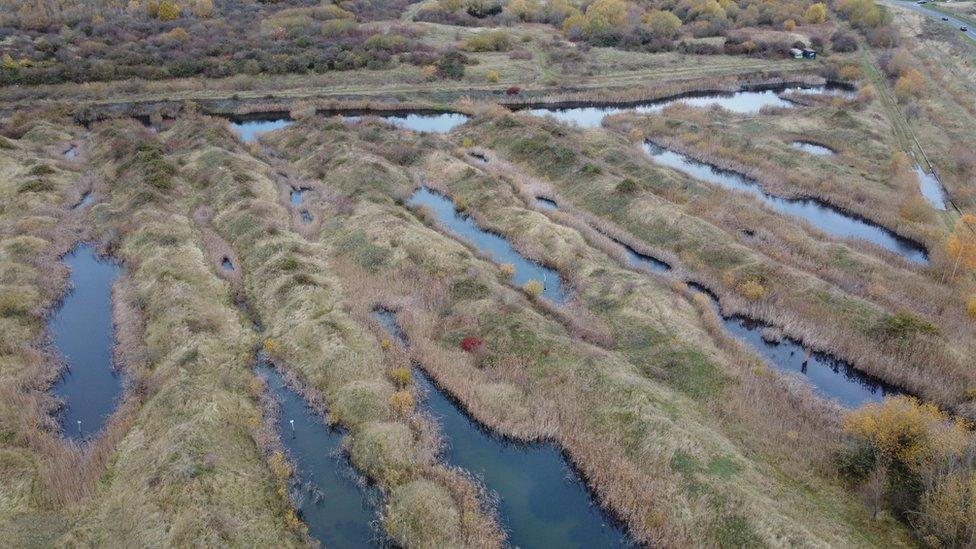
x,y
810,288
337,362
535,379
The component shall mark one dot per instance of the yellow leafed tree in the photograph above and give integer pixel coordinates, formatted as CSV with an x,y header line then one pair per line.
x,y
816,13
961,245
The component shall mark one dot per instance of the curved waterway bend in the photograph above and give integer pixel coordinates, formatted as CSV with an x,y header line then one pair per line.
x,y
810,147
743,102
542,501
830,377
81,330
338,509
249,130
827,218
495,246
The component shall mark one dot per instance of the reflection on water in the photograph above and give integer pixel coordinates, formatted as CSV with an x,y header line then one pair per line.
x,y
297,195
338,509
744,102
831,377
542,501
930,188
812,148
251,129
545,203
826,218
495,246
82,331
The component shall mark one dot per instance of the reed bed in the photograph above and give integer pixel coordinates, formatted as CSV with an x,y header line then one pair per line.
x,y
786,260
430,265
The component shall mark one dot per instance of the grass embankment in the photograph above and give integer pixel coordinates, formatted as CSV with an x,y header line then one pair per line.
x,y
176,463
653,75
37,189
640,416
189,468
832,296
866,177
940,122
288,282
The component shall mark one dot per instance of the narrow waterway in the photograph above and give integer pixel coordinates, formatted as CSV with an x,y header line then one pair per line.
x,y
810,147
492,244
338,508
930,188
252,127
545,203
81,329
747,101
828,219
542,501
250,130
831,378
86,199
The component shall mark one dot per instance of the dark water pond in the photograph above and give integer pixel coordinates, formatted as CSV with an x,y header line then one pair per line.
x,y
637,259
497,247
832,378
338,508
743,101
812,148
254,126
542,501
82,331
227,264
825,217
931,189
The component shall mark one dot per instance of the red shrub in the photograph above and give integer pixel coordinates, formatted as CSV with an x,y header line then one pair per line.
x,y
471,344
514,90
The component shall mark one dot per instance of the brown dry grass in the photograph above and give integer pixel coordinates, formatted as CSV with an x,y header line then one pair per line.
x,y
806,272
417,278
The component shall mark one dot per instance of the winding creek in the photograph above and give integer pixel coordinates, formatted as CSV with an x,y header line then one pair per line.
x,y
586,114
339,509
828,219
830,377
498,248
81,329
745,101
251,127
542,501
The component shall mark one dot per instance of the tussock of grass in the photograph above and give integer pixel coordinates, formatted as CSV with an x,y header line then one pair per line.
x,y
534,379
810,296
288,281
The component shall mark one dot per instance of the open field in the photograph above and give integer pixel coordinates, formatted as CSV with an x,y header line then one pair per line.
x,y
488,274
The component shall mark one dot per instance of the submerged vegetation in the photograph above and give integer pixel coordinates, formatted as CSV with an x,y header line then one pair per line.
x,y
438,284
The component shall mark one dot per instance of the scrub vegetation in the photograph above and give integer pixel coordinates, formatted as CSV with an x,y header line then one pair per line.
x,y
280,251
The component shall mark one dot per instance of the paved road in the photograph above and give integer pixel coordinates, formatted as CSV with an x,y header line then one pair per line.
x,y
955,22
